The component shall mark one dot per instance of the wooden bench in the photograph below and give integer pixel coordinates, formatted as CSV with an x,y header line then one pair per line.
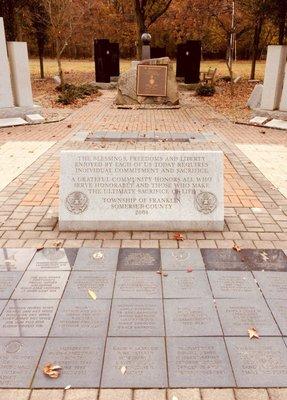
x,y
209,76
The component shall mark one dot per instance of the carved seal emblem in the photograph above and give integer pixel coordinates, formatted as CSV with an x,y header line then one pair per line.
x,y
77,202
206,202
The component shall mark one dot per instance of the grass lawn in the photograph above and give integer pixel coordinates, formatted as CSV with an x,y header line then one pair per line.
x,y
87,66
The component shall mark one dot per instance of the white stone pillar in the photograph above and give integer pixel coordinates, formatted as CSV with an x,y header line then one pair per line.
x,y
274,76
6,96
20,73
283,102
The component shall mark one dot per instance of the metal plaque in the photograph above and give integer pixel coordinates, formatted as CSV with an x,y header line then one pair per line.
x,y
152,80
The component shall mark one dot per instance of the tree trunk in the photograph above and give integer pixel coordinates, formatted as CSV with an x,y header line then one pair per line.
x,y
282,22
41,45
141,27
255,47
59,62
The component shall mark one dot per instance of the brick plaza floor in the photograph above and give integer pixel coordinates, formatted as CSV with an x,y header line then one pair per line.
x,y
255,219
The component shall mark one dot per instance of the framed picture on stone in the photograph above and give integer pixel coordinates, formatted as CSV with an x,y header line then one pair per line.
x,y
152,80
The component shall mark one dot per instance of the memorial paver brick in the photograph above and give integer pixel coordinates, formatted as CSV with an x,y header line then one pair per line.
x,y
182,284
198,362
139,260
223,259
182,259
137,317
18,361
80,282
143,360
273,284
239,315
81,318
15,259
31,318
258,363
53,259
191,317
96,259
81,362
41,285
8,282
140,284
233,284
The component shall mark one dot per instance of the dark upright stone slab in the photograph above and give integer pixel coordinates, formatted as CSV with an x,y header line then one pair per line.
x,y
272,284
267,260
192,58
100,282
183,284
198,362
102,60
18,361
258,363
180,65
139,284
279,311
82,318
15,259
96,259
233,284
41,285
115,59
223,259
181,259
143,358
194,317
81,362
239,315
31,318
53,259
8,282
136,317
139,260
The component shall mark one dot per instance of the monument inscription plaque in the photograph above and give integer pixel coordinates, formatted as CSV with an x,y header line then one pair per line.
x,y
141,190
152,80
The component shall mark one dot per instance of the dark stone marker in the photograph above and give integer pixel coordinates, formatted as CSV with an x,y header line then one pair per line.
x,y
53,259
279,310
18,359
188,61
198,362
267,260
144,361
139,260
272,284
41,285
191,317
96,259
138,285
115,59
181,259
157,52
85,318
180,66
15,259
239,315
27,318
233,284
152,80
223,259
136,317
8,282
100,282
181,284
81,362
102,60
258,363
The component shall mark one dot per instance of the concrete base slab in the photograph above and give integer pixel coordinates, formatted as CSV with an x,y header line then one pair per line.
x,y
19,112
34,118
5,122
259,120
277,123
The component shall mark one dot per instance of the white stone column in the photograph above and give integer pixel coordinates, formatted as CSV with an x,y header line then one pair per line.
x,y
20,73
274,76
6,96
283,102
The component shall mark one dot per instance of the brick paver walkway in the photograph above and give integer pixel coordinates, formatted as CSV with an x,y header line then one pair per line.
x,y
255,210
